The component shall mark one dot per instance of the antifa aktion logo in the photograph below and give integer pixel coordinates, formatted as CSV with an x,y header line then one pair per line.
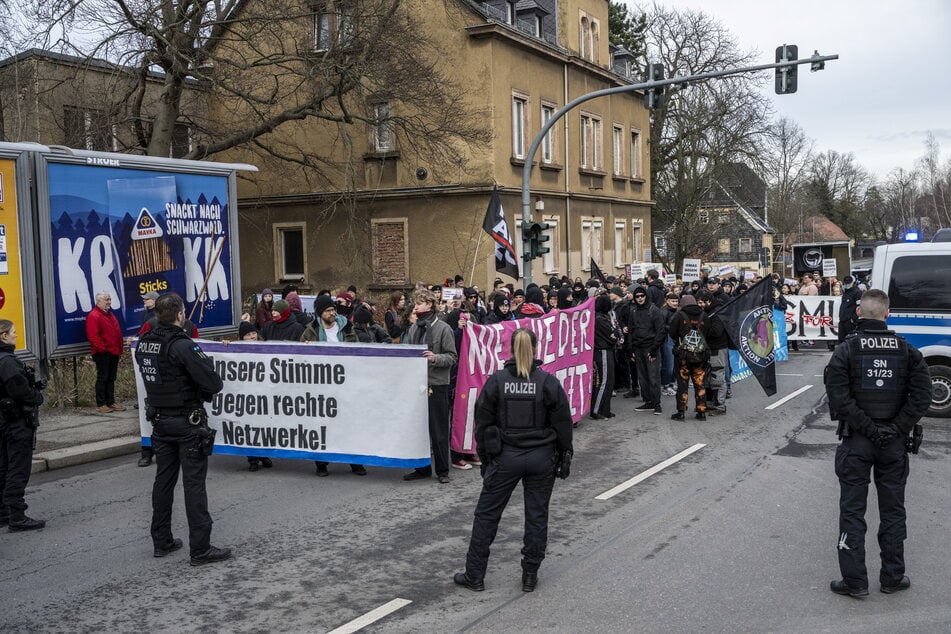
x,y
812,258
756,337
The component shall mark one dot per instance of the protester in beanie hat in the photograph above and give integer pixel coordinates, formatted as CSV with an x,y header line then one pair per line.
x,y
245,328
564,298
283,309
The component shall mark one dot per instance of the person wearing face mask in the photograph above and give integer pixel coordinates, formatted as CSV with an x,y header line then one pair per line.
x,y
647,329
501,310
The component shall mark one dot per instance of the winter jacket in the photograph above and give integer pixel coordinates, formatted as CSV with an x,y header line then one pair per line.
x,y
647,327
436,335
103,332
315,331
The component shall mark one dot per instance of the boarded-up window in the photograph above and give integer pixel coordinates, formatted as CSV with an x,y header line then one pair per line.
x,y
390,254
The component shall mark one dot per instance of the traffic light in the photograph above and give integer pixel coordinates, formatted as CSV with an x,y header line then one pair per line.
x,y
533,233
654,97
786,76
540,238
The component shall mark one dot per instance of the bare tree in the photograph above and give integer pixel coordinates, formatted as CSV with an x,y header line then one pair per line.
x,y
936,181
787,154
268,68
697,126
838,185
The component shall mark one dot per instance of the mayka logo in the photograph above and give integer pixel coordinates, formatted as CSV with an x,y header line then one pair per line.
x,y
756,337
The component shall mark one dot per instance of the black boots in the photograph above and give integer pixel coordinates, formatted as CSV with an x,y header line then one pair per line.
x,y
677,416
25,524
841,587
211,556
462,579
529,581
168,549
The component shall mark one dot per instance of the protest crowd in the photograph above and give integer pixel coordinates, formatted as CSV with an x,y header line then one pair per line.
x,y
653,339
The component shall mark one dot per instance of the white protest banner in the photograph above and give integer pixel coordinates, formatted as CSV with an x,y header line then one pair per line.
x,y
725,270
691,270
812,317
789,282
749,275
318,401
638,271
828,267
670,279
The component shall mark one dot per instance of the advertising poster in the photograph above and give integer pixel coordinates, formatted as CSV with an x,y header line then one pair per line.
x,y
315,402
11,279
565,348
127,231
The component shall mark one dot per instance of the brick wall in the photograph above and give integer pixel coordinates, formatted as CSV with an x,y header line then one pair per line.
x,y
389,252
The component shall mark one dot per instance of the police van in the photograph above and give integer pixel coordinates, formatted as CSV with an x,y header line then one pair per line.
x,y
917,278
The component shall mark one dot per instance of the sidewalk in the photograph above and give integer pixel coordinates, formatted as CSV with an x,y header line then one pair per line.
x,y
71,436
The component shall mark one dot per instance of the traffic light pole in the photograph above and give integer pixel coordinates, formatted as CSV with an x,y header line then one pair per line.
x,y
816,60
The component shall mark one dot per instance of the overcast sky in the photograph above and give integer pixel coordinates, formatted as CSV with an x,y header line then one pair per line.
x,y
854,105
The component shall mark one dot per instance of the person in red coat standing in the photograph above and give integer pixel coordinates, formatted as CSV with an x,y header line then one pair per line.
x,y
105,344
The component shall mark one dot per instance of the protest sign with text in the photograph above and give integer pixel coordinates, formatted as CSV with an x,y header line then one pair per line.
x,y
691,270
318,401
565,348
812,317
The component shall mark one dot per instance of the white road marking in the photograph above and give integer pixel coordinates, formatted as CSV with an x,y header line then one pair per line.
x,y
624,486
784,399
778,374
371,617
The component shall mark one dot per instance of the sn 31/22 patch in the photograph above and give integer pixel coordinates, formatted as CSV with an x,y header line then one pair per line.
x,y
879,373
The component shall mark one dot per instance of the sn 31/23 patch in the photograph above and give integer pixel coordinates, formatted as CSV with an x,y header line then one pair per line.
x,y
879,373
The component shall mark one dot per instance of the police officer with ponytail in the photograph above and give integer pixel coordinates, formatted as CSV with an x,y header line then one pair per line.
x,y
879,387
523,433
178,378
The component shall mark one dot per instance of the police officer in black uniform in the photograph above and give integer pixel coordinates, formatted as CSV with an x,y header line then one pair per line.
x,y
879,387
523,432
178,377
20,395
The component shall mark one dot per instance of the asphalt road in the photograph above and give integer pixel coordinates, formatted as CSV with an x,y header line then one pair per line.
x,y
739,535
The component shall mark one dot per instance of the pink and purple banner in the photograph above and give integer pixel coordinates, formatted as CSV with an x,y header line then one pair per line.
x,y
565,348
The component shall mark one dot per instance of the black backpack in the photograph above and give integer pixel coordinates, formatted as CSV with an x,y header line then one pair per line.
x,y
693,346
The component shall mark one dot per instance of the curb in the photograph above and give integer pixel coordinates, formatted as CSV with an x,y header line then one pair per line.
x,y
90,452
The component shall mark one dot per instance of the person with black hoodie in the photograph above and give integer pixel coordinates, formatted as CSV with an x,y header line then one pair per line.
x,y
689,328
366,330
719,343
605,343
656,291
501,309
534,304
647,329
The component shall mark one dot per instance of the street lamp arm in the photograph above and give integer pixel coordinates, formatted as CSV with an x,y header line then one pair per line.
x,y
815,61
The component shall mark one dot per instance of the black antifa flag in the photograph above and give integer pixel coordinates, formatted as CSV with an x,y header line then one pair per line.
x,y
494,224
596,271
748,319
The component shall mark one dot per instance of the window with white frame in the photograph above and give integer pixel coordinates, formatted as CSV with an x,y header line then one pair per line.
x,y
618,139
382,128
290,255
745,245
589,37
636,248
591,241
583,40
333,24
548,142
511,16
519,124
590,142
635,153
620,243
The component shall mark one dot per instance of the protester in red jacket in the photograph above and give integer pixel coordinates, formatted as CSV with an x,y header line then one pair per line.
x,y
105,344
